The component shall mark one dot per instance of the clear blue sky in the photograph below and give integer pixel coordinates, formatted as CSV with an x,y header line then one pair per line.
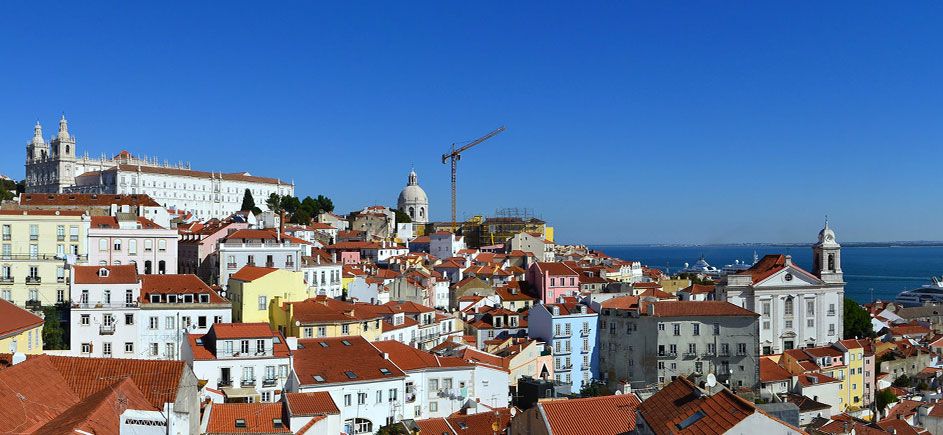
x,y
627,122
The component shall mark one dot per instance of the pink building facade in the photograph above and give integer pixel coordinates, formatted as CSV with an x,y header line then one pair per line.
x,y
137,241
198,249
550,281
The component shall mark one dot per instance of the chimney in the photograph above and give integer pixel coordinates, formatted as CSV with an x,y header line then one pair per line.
x,y
292,343
386,356
650,309
789,260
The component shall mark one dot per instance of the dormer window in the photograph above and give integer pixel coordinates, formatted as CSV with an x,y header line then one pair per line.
x,y
155,298
103,272
204,298
172,299
188,299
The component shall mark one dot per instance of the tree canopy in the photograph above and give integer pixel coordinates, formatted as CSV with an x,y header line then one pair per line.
x,y
857,320
248,203
299,211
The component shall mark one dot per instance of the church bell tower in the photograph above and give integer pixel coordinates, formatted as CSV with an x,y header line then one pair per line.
x,y
826,257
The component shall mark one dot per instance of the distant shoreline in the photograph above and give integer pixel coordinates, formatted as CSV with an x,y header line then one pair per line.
x,y
902,244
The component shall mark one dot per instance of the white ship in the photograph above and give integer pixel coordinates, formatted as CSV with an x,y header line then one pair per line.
x,y
919,296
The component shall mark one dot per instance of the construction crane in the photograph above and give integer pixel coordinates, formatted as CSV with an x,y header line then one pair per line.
x,y
456,154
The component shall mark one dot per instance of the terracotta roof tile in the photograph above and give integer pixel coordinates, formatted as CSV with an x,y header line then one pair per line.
x,y
85,199
126,274
306,404
410,358
592,416
111,222
14,320
697,308
772,372
257,418
251,273
177,284
333,360
555,269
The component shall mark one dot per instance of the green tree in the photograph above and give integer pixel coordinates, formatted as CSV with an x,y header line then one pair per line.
x,y
857,320
53,334
8,190
248,203
326,205
290,204
594,389
884,398
394,429
923,386
903,381
402,217
274,203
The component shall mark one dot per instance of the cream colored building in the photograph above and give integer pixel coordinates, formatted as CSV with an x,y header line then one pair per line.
x,y
37,247
20,330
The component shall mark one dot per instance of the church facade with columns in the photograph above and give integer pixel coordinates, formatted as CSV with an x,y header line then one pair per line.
x,y
56,167
797,308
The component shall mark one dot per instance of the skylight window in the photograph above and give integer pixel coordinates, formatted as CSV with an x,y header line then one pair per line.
x,y
350,375
323,344
240,422
385,371
686,423
345,342
318,378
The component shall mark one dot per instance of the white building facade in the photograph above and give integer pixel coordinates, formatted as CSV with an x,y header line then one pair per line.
x,y
796,308
54,167
132,240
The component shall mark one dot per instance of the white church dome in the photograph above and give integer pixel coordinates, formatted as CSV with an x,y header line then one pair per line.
x,y
413,200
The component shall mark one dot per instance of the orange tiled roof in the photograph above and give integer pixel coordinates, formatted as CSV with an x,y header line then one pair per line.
x,y
258,418
85,199
769,265
555,269
99,413
14,320
324,309
697,308
332,358
177,284
317,403
772,372
126,274
228,331
409,358
597,415
251,273
157,379
111,222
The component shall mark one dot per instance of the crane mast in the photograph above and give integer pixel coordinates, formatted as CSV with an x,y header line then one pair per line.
x,y
456,154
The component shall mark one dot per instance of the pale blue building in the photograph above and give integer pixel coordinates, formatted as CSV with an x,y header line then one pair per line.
x,y
569,328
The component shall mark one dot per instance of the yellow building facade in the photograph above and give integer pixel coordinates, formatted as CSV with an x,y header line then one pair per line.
x,y
20,330
36,250
323,317
253,289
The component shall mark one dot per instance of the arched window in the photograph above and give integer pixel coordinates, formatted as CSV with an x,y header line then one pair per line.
x,y
412,212
787,306
422,212
161,267
147,267
358,425
117,244
831,262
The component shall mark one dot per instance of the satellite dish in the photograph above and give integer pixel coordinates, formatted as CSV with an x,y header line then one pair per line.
x,y
711,380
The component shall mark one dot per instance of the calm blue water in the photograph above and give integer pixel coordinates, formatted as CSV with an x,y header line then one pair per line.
x,y
887,270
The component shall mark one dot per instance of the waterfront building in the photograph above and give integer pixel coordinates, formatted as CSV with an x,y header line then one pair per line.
x,y
796,308
37,248
57,168
20,330
413,200
654,342
570,330
244,361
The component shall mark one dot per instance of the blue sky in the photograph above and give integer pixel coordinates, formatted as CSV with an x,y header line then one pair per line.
x,y
627,122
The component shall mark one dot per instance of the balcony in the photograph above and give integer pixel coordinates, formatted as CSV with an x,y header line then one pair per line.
x,y
708,354
60,279
562,351
34,237
831,313
73,238
271,264
33,257
60,238
248,382
106,329
561,334
6,237
269,382
410,397
690,355
225,383
88,305
6,280
34,280
231,266
724,353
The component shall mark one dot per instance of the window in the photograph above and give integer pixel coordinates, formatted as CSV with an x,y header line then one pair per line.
x,y
788,324
661,326
697,328
34,232
717,329
244,346
263,303
322,331
677,329
361,398
148,245
153,323
810,323
129,347
810,308
831,329
129,319
169,322
788,306
347,400
345,329
433,387
170,351
132,246
117,245
106,349
766,325
161,245
85,320
433,406
86,348
260,346
766,309
103,245
379,396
